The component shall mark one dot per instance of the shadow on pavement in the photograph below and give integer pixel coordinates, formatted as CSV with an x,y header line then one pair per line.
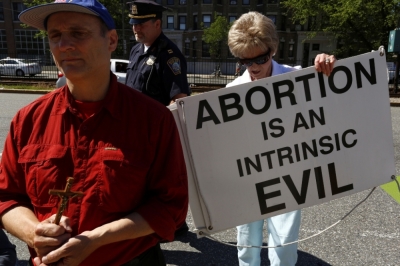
x,y
213,253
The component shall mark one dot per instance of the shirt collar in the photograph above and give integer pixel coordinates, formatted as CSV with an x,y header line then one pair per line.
x,y
63,102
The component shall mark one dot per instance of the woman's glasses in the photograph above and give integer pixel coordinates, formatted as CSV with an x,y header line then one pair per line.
x,y
259,60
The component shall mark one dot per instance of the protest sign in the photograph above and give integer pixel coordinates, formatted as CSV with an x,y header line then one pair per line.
x,y
286,142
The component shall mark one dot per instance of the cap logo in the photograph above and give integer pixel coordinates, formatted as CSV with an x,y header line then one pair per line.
x,y
134,10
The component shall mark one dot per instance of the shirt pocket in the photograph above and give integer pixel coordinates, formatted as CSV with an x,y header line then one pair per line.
x,y
122,180
46,167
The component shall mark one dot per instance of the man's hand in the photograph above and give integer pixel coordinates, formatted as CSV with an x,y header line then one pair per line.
x,y
324,63
49,236
71,253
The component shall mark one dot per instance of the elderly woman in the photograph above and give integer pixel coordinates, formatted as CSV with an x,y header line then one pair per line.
x,y
254,40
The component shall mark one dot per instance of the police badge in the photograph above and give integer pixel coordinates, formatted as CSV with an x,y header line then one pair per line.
x,y
151,60
134,10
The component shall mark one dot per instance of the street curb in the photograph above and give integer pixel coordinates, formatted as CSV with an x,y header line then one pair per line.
x,y
24,91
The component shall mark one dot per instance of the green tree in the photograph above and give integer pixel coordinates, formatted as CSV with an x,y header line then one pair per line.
x,y
216,34
116,8
359,25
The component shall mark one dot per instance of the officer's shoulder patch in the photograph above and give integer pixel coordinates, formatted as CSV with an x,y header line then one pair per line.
x,y
170,51
175,64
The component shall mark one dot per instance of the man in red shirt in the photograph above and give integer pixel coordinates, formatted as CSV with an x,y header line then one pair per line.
x,y
121,147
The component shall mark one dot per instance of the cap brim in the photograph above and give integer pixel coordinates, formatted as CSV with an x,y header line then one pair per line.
x,y
36,16
134,21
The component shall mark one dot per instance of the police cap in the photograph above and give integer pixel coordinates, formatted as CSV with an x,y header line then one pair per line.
x,y
141,11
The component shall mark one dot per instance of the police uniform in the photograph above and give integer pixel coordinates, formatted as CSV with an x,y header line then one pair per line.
x,y
160,72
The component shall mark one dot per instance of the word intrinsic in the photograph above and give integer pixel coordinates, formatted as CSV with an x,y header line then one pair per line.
x,y
297,152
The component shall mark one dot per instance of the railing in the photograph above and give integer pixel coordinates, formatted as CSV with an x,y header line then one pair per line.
x,y
201,71
18,69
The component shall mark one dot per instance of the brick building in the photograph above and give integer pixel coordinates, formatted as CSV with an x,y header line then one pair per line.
x,y
182,24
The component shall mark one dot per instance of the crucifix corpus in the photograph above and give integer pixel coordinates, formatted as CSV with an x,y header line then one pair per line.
x,y
64,195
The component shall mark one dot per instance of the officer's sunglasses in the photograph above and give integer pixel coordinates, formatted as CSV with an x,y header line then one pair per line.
x,y
259,60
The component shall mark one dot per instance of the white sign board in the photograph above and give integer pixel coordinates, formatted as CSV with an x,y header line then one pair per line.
x,y
286,142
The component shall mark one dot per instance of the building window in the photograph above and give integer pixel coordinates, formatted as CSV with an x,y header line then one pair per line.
x,y
207,1
18,7
232,19
281,50
187,48
159,2
232,2
27,43
246,2
3,42
291,50
315,47
312,23
182,22
182,2
194,53
195,22
1,12
170,22
283,23
273,18
206,21
260,2
205,50
170,2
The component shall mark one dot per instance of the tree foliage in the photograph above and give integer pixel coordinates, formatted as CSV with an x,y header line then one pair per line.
x,y
216,34
360,25
116,8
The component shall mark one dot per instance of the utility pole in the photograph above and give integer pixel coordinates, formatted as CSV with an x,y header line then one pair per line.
x,y
123,2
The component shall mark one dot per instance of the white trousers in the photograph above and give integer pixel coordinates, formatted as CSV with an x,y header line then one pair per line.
x,y
282,229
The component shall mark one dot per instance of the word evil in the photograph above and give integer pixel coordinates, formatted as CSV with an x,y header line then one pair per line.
x,y
299,196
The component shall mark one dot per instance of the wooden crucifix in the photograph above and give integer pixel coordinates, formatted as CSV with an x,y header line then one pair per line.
x,y
64,195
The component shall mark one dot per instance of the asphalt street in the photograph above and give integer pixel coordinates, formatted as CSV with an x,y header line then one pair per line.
x,y
369,236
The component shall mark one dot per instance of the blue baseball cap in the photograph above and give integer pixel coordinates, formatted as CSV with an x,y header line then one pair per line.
x,y
36,16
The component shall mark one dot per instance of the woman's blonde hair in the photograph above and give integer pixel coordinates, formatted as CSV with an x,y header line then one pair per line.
x,y
252,30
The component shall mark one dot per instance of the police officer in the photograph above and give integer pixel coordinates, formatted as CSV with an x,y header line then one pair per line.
x,y
157,67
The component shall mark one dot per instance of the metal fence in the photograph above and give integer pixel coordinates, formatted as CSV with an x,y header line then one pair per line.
x,y
28,67
201,71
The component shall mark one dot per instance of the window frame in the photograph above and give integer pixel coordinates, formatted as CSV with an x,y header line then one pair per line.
x,y
180,22
208,23
169,23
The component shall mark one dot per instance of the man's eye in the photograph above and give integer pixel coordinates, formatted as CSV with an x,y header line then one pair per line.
x,y
54,37
79,34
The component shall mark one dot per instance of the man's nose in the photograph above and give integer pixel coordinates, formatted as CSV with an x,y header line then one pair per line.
x,y
65,42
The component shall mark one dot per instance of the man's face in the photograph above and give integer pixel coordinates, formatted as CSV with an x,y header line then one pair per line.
x,y
81,49
147,32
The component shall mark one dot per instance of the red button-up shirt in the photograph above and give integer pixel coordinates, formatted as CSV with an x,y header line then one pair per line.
x,y
125,158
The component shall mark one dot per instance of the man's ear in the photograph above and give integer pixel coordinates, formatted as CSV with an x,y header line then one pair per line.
x,y
113,37
158,23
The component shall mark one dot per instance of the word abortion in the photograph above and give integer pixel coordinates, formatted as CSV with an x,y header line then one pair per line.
x,y
232,108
